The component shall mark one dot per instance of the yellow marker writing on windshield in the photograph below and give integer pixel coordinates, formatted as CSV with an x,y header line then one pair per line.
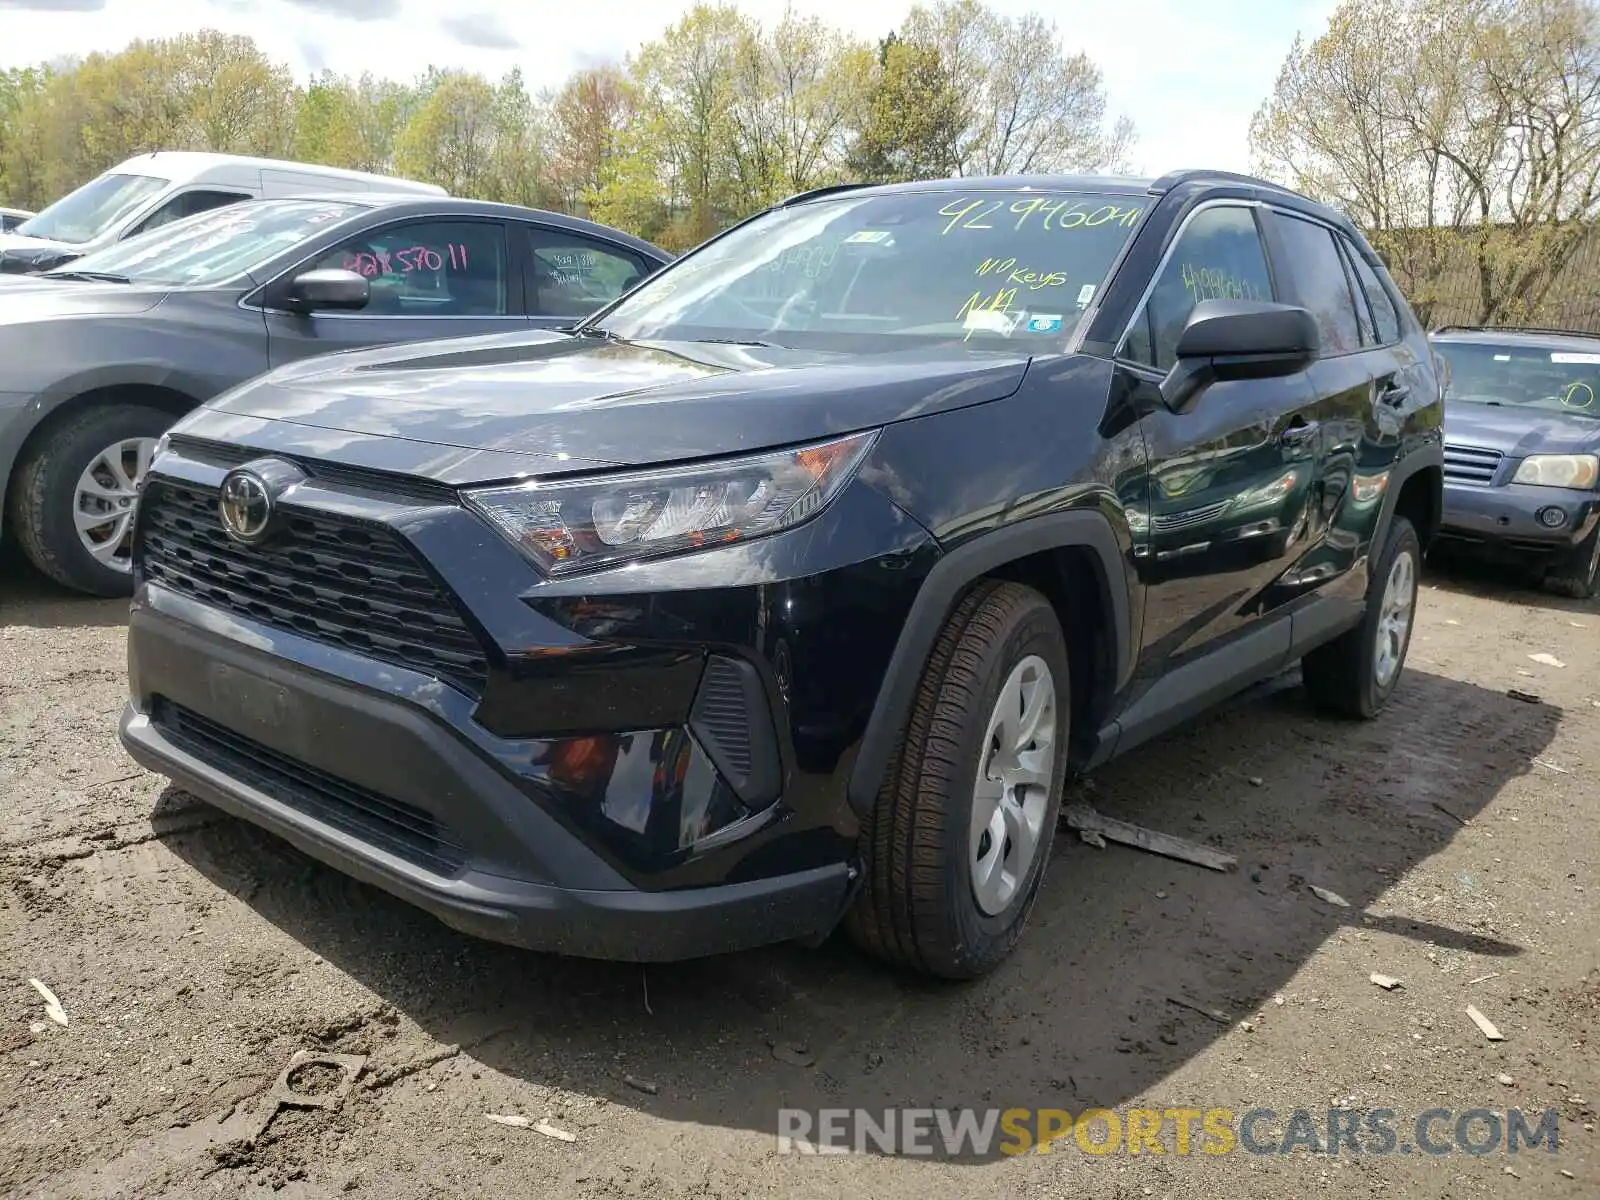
x,y
1578,395
1056,213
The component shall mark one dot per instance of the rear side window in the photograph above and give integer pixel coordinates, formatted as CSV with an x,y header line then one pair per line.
x,y
573,275
1324,287
1218,256
1383,310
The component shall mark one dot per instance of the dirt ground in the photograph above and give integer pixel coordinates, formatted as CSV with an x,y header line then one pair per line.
x,y
194,956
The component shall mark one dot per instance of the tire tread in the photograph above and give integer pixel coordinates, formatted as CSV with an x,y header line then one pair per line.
x,y
901,913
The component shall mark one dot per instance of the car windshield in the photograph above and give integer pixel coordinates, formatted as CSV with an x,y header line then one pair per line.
x,y
213,246
92,209
1523,376
985,268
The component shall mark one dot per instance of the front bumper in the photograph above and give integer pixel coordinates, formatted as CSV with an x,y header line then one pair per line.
x,y
385,793
646,763
1505,518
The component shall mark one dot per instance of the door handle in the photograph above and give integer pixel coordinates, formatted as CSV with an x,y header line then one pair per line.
x,y
1299,431
1394,394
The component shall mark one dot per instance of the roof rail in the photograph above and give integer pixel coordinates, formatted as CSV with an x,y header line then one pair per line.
x,y
1584,333
814,193
1173,178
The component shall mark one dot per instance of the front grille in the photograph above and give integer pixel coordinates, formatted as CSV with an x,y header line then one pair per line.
x,y
404,487
1470,464
400,829
330,578
1174,522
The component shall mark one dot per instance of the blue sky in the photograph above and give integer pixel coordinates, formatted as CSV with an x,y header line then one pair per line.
x,y
1189,74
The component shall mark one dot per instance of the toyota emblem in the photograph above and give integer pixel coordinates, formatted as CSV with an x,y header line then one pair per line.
x,y
245,506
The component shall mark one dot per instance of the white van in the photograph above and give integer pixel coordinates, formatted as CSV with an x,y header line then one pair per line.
x,y
152,189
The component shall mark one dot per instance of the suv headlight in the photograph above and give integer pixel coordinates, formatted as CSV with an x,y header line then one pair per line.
x,y
1559,470
569,526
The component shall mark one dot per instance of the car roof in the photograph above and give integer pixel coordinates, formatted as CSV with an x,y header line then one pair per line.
x,y
1189,179
181,165
402,204
1517,335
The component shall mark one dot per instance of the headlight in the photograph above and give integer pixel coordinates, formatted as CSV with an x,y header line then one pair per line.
x,y
579,525
1276,490
1559,470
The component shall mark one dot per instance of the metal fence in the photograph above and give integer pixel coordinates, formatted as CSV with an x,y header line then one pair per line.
x,y
1441,281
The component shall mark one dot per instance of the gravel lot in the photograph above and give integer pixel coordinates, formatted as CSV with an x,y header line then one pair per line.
x,y
194,956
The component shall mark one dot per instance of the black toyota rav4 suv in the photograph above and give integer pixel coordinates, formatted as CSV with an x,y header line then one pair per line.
x,y
790,589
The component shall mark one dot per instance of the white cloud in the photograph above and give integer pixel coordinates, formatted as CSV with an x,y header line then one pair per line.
x,y
1190,75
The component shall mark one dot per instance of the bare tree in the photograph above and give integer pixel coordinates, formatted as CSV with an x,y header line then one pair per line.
x,y
1464,137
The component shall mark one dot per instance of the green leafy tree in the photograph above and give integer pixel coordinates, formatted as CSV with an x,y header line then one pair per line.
x,y
452,137
588,118
913,117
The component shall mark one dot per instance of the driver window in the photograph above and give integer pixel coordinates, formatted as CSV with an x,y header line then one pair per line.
x,y
1218,256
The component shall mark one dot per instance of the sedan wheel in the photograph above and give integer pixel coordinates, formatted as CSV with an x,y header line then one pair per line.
x,y
107,498
76,492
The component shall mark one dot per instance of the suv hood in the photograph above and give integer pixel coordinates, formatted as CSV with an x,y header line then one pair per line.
x,y
1518,431
548,403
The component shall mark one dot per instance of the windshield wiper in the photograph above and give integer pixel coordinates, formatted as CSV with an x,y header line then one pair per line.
x,y
91,276
740,342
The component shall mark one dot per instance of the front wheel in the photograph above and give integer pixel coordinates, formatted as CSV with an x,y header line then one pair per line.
x,y
957,842
1579,575
77,492
1355,674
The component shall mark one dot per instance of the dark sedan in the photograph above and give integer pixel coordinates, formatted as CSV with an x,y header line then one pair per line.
x,y
1522,450
99,358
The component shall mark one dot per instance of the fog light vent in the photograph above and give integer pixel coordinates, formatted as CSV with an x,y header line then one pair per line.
x,y
1552,517
732,722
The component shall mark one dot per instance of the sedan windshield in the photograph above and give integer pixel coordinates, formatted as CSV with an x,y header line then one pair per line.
x,y
989,268
212,247
92,209
1523,377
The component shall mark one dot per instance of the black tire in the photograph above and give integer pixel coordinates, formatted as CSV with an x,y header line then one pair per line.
x,y
44,493
1341,677
916,907
1579,574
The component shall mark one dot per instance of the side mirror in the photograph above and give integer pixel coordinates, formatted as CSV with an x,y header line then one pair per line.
x,y
1238,339
331,288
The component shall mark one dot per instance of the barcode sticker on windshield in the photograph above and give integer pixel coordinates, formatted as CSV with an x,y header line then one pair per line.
x,y
1562,356
869,235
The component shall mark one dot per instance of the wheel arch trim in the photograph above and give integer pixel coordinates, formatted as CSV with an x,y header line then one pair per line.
x,y
1419,459
51,403
956,571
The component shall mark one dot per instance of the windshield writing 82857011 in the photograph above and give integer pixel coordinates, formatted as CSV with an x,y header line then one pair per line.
x,y
402,262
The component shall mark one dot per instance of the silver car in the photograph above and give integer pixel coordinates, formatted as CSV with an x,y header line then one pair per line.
x,y
98,358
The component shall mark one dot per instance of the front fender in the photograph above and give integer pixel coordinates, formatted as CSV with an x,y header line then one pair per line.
x,y
952,575
1429,454
18,421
